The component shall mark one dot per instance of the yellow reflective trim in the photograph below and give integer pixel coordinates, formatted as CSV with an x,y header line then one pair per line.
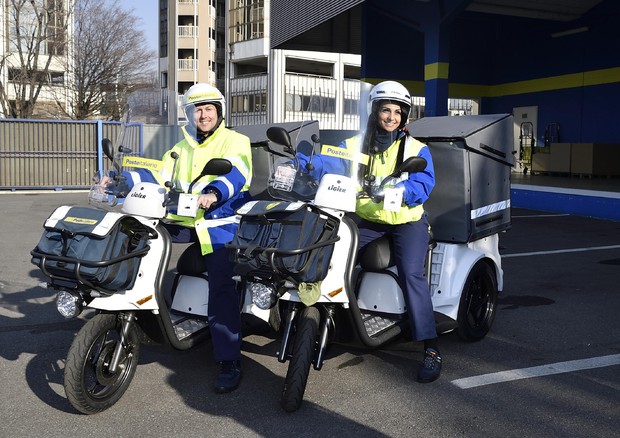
x,y
202,231
437,70
345,154
203,96
81,220
363,158
333,151
143,163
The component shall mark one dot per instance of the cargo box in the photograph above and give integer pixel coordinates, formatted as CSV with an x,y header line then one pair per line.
x,y
472,156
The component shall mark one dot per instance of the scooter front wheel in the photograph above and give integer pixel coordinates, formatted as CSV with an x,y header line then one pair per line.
x,y
90,385
299,364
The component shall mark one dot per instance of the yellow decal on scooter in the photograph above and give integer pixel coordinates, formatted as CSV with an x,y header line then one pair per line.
x,y
144,300
345,154
272,205
143,163
81,220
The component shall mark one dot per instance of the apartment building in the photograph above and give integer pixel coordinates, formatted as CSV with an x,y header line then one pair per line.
x,y
272,86
34,52
226,44
191,43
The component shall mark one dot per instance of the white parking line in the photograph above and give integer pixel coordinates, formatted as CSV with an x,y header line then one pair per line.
x,y
560,251
544,370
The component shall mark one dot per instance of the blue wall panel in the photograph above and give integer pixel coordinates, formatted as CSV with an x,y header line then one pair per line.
x,y
510,62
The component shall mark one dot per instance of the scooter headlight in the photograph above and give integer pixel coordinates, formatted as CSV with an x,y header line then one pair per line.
x,y
263,295
69,304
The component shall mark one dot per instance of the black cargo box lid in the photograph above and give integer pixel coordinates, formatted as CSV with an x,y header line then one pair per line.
x,y
489,134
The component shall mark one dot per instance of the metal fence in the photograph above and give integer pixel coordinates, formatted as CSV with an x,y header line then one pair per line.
x,y
45,154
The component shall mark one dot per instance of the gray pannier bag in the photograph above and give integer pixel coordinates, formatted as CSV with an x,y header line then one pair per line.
x,y
92,248
292,239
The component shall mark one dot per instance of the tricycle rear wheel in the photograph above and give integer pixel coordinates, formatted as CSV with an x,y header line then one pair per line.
x,y
478,303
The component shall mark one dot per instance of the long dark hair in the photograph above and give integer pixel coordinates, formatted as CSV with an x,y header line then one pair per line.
x,y
369,142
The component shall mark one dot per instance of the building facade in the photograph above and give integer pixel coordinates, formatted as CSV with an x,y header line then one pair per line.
x,y
226,44
189,36
33,53
273,86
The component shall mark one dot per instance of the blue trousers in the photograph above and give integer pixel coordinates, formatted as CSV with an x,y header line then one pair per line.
x,y
410,245
224,312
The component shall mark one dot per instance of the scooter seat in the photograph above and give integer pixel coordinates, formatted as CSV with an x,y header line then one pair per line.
x,y
378,255
191,261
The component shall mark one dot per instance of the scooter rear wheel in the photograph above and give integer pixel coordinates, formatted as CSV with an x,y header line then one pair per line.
x,y
299,364
478,303
89,384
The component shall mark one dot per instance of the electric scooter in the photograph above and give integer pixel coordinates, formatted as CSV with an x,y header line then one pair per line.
x,y
113,257
298,253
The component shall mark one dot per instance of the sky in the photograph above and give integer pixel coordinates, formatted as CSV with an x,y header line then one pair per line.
x,y
147,10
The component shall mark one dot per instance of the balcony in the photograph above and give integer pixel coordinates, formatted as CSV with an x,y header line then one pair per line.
x,y
187,64
187,31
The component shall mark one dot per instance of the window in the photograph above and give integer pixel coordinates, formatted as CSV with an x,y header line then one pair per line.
x,y
351,106
313,104
57,79
246,20
250,103
55,29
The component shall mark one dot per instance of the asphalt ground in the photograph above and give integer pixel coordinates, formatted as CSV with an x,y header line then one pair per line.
x,y
550,367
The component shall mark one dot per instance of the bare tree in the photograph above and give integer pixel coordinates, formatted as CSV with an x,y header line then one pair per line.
x,y
37,39
111,58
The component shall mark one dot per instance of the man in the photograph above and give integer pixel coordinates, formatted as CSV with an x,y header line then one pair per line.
x,y
206,137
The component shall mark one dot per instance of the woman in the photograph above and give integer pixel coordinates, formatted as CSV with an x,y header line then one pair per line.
x,y
382,147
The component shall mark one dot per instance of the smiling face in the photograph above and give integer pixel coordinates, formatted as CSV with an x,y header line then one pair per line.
x,y
389,116
205,117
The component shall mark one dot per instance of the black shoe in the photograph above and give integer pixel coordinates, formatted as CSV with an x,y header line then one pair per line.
x,y
229,378
431,367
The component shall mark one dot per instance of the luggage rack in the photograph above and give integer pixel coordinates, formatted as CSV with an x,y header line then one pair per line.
x,y
77,278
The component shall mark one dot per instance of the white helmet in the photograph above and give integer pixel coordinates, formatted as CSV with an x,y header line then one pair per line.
x,y
394,91
201,94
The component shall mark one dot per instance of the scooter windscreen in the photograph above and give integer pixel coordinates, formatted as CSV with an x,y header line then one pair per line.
x,y
291,182
126,153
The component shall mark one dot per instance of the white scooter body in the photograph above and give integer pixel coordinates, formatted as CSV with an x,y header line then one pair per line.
x,y
379,292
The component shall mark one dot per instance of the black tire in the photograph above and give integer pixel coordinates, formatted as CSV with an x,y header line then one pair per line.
x,y
89,385
478,303
299,364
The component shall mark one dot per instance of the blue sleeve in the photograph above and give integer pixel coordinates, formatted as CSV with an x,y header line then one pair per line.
x,y
324,164
419,185
135,176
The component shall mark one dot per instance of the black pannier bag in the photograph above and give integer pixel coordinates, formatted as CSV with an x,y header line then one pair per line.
x,y
93,248
292,239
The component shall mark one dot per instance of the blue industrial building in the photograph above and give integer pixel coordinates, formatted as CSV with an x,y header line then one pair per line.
x,y
560,57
